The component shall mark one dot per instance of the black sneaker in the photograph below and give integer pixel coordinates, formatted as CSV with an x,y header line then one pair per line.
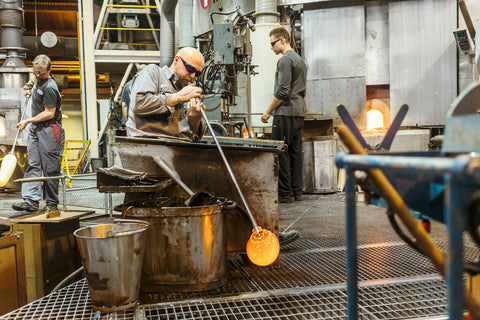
x,y
299,197
24,206
50,207
286,199
287,237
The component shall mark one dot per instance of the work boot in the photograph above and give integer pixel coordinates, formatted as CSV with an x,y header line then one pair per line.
x,y
286,199
25,206
287,237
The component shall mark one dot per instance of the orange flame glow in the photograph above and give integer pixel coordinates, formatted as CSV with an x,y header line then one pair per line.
x,y
374,119
3,129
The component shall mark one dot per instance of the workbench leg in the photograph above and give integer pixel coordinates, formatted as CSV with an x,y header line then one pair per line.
x,y
454,215
64,191
351,239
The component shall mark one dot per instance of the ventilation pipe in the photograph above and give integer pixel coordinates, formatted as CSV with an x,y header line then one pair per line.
x,y
264,59
167,32
13,71
266,11
185,11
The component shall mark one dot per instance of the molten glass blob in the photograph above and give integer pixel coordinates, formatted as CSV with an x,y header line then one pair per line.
x,y
263,247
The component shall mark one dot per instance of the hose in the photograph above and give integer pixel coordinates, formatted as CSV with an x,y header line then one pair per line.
x,y
65,281
393,221
472,210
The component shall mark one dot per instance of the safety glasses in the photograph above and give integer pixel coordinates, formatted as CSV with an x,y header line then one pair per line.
x,y
273,42
191,69
40,73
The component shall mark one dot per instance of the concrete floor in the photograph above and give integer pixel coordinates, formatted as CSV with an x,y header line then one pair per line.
x,y
308,281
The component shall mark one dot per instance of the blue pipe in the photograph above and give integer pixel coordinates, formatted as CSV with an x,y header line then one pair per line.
x,y
351,239
465,167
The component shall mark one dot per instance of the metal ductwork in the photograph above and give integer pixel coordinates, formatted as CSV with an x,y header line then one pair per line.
x,y
64,48
185,11
261,86
266,11
13,71
167,32
13,75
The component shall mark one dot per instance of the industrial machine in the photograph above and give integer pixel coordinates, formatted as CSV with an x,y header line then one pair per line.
x,y
13,75
227,54
434,185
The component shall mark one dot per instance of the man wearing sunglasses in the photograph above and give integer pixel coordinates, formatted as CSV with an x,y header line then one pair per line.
x,y
163,99
289,109
45,139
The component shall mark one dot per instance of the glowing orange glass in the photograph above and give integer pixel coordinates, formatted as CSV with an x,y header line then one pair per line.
x,y
263,247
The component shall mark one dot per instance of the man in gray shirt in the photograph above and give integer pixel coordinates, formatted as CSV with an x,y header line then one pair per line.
x,y
46,139
289,109
158,95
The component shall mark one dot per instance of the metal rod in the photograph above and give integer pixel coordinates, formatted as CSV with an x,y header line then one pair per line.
x,y
64,192
159,161
136,29
82,69
130,6
230,171
426,165
52,178
18,130
80,189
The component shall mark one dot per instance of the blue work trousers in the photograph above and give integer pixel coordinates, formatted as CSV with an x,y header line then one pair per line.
x,y
44,154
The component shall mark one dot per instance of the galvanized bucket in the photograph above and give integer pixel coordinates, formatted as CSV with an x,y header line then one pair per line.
x,y
112,257
185,248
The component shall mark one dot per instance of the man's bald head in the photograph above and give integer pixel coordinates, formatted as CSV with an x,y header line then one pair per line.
x,y
193,57
187,66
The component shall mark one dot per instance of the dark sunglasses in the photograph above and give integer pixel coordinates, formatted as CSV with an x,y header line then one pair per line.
x,y
273,42
191,69
40,73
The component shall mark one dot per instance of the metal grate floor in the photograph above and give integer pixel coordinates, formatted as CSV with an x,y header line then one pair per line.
x,y
308,281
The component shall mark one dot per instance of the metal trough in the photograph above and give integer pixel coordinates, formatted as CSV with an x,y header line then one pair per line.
x,y
202,169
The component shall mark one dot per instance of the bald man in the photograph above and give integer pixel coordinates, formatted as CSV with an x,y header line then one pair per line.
x,y
163,99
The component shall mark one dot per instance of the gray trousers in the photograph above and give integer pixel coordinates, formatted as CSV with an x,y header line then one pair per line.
x,y
44,154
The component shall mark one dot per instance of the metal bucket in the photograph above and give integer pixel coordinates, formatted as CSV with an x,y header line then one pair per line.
x,y
112,257
186,246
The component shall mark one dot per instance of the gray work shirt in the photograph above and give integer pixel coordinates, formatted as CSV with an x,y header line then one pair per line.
x,y
148,114
290,83
45,93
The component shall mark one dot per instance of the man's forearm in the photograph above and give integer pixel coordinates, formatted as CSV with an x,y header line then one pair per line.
x,y
274,104
43,116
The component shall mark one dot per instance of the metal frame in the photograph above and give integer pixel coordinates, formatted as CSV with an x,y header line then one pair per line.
x,y
458,174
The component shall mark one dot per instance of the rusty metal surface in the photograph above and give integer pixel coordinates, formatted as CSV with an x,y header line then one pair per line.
x,y
200,166
185,246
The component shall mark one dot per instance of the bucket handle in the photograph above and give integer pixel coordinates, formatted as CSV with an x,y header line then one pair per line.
x,y
112,234
125,212
229,204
